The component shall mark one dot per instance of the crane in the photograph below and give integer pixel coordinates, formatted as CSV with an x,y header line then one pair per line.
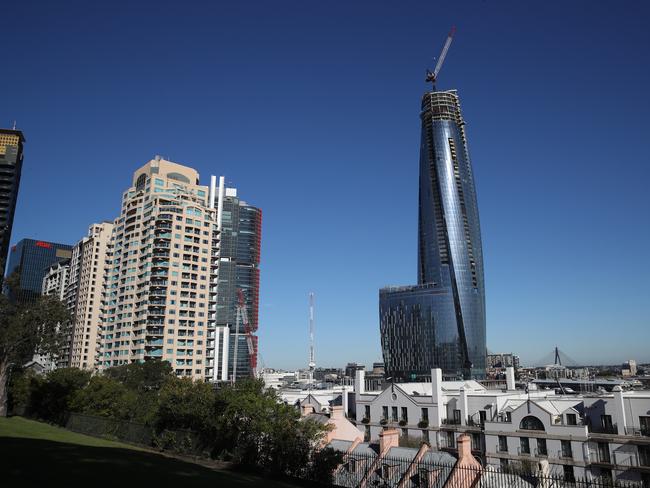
x,y
251,340
432,76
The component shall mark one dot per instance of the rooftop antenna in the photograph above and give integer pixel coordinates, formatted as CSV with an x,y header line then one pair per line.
x,y
312,362
432,76
14,127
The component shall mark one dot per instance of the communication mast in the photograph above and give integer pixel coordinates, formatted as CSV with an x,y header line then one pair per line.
x,y
432,76
312,362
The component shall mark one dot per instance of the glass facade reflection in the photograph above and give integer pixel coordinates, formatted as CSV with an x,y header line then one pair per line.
x,y
441,321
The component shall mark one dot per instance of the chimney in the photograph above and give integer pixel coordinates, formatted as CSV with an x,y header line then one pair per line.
x,y
345,400
336,412
360,382
436,396
510,378
388,438
619,407
306,409
465,456
463,406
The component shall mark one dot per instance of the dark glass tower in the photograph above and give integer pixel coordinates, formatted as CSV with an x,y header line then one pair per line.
x,y
440,322
31,260
239,253
11,163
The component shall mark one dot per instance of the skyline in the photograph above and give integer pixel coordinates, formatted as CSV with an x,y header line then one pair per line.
x,y
357,196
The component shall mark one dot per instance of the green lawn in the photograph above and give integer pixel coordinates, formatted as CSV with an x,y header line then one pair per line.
x,y
33,453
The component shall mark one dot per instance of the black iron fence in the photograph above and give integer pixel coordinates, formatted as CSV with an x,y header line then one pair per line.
x,y
180,441
368,469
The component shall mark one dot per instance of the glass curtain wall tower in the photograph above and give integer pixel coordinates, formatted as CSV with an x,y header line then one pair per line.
x,y
440,322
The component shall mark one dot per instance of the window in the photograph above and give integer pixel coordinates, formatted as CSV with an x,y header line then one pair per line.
x,y
531,423
425,414
524,445
425,435
394,414
457,417
603,452
476,441
568,474
384,413
541,447
366,435
405,414
566,449
367,412
571,419
482,416
503,443
451,440
644,423
606,422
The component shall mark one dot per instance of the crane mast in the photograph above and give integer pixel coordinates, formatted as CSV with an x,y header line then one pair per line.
x,y
432,77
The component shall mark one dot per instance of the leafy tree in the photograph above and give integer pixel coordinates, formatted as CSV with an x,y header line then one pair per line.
x,y
105,397
53,396
150,375
186,404
26,329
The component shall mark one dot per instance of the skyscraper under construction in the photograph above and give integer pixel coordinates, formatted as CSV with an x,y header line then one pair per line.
x,y
440,322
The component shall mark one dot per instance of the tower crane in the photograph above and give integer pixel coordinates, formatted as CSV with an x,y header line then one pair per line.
x,y
251,340
432,76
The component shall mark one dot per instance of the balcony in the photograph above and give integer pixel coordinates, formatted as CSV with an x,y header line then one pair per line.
x,y
603,429
450,421
565,454
154,342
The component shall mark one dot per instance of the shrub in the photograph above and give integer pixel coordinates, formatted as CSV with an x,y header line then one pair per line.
x,y
423,424
50,399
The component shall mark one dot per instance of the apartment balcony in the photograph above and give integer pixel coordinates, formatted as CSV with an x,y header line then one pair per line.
x,y
161,244
157,302
565,454
637,432
165,217
603,429
154,331
156,353
155,322
154,342
450,421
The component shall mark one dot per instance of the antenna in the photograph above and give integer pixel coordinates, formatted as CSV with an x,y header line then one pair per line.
x,y
432,77
312,362
14,127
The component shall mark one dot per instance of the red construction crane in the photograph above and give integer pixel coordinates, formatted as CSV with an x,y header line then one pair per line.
x,y
251,340
432,77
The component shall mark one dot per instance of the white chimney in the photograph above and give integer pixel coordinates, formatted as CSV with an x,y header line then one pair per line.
x,y
510,378
463,406
619,407
359,382
436,396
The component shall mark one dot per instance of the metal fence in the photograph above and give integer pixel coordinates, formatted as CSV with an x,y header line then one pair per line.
x,y
180,441
367,469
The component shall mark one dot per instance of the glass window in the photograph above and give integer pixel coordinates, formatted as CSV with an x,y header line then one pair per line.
x,y
524,445
159,182
541,447
503,443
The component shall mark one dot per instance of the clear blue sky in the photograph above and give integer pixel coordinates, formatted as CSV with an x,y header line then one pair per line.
x,y
311,109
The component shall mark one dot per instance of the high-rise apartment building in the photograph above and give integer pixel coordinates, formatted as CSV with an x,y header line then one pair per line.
x,y
178,253
55,281
84,297
11,163
440,322
31,259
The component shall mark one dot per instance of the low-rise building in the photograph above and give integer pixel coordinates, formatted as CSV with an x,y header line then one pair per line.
x,y
597,436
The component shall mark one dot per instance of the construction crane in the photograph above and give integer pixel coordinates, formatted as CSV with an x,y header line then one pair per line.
x,y
432,76
251,340
312,362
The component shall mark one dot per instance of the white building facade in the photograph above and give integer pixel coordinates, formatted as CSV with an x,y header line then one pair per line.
x,y
595,437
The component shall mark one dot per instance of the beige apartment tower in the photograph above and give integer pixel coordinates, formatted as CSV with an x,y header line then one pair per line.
x,y
157,289
84,295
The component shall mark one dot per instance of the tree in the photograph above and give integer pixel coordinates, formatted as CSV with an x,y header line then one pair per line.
x,y
26,329
105,397
51,397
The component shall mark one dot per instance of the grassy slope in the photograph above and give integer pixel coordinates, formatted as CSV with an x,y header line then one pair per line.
x,y
33,453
